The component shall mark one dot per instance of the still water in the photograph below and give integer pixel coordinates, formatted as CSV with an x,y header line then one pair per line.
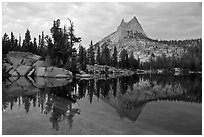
x,y
139,104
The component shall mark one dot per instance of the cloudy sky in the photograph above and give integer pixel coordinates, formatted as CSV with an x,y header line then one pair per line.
x,y
93,21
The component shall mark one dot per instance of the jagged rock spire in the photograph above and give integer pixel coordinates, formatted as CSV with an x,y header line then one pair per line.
x,y
132,25
122,22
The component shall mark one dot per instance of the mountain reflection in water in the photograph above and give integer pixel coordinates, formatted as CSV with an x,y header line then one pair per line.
x,y
127,95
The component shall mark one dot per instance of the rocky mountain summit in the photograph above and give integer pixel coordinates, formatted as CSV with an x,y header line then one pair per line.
x,y
131,36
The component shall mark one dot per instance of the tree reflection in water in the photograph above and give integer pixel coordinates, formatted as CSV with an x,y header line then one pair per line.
x,y
128,95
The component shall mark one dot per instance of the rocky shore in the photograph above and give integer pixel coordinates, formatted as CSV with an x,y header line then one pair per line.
x,y
28,64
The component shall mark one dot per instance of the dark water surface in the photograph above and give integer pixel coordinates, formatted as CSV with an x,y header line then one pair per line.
x,y
139,104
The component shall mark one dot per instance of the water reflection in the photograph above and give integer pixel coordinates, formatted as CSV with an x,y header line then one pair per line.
x,y
128,95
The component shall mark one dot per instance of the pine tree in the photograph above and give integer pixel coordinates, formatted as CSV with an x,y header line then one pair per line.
x,y
133,63
19,41
35,48
12,41
42,42
73,39
91,58
74,61
39,44
5,44
115,57
16,48
39,41
26,41
105,57
82,58
98,56
63,41
124,59
42,49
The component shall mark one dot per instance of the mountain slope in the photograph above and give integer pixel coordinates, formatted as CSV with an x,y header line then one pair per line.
x,y
131,36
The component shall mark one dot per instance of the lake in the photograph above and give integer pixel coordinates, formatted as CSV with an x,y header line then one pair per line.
x,y
138,104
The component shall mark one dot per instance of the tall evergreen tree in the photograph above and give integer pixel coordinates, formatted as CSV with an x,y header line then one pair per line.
x,y
5,44
42,42
39,41
63,42
26,42
115,57
91,58
42,46
12,41
132,61
98,56
19,41
105,57
82,57
16,48
35,48
73,39
124,58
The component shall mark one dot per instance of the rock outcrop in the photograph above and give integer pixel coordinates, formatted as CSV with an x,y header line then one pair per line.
x,y
131,36
25,58
52,72
23,70
28,64
103,71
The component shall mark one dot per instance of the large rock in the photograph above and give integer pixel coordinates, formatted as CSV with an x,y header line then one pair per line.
x,y
7,66
57,72
27,64
15,66
39,82
28,61
25,58
14,60
23,70
38,64
13,72
40,71
31,72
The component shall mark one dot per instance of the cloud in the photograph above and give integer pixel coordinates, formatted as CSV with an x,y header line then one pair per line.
x,y
93,21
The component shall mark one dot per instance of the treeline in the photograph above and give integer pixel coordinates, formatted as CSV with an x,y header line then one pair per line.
x,y
123,60
14,44
182,43
27,45
60,48
191,59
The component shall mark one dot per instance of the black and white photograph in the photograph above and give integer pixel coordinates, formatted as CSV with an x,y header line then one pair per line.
x,y
101,68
